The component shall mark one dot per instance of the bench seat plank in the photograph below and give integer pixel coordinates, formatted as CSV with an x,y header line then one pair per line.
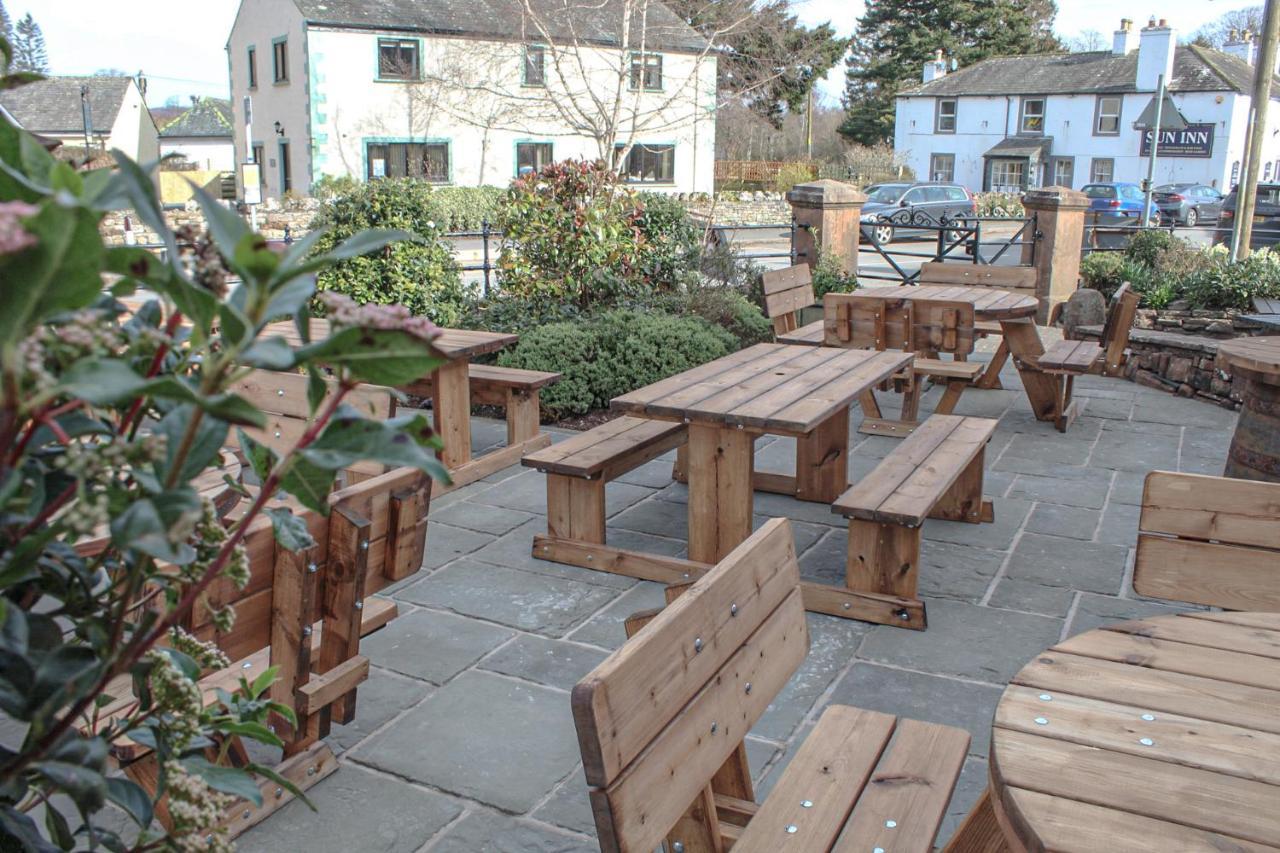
x,y
510,377
1071,356
936,367
590,453
811,333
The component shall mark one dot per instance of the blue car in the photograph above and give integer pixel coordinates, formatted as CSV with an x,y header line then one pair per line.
x,y
1117,203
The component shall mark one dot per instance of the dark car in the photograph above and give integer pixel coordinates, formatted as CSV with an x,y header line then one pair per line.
x,y
1117,203
1187,203
893,208
1266,217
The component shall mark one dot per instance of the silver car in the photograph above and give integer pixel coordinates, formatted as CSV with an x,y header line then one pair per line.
x,y
1187,204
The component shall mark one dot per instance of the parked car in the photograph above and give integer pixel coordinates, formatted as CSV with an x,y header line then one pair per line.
x,y
1117,203
1266,217
892,208
1187,204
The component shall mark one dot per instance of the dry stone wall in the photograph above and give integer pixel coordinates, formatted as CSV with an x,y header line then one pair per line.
x,y
1181,364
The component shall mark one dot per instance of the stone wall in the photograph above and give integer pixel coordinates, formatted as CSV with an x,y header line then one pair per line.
x,y
272,221
1181,364
742,208
1220,325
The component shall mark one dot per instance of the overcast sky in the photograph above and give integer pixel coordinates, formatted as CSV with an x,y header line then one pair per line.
x,y
179,44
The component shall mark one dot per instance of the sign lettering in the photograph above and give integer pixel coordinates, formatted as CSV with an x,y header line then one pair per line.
x,y
1196,140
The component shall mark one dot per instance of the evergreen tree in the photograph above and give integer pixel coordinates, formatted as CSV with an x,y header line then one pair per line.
x,y
896,37
28,47
6,24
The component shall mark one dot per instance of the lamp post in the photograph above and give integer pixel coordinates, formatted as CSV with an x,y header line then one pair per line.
x,y
1246,196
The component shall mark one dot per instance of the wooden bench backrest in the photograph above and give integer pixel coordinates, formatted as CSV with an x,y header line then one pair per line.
x,y
1115,332
857,321
785,293
283,397
659,717
1005,278
1209,540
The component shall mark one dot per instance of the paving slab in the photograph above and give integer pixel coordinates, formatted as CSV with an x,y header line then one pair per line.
x,y
484,831
997,535
502,742
606,629
655,474
1119,524
1093,611
830,639
1072,522
382,696
1089,492
1031,597
1043,446
446,543
554,663
569,807
974,778
1056,561
1136,451
525,600
481,517
432,645
515,550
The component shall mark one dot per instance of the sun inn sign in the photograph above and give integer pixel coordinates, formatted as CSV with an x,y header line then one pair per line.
x,y
1195,140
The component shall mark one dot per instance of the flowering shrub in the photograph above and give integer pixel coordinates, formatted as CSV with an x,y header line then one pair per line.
x,y
999,205
106,418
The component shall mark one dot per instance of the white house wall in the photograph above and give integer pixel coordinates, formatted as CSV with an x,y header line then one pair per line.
x,y
134,131
982,121
213,154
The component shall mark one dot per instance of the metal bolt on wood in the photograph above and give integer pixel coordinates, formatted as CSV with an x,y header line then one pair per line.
x,y
1045,697
733,610
890,823
364,546
677,847
246,814
1148,717
312,568
279,392
245,665
792,829
359,605
697,645
279,793
806,804
277,433
1146,741
306,631
748,688
714,728
1041,721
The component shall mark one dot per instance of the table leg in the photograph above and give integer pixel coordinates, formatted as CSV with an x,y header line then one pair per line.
x,y
451,400
720,491
980,831
822,460
991,376
1026,348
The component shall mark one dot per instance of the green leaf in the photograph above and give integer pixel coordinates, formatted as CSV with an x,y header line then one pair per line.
x,y
272,353
380,356
309,483
20,827
63,177
102,381
235,326
135,183
264,680
59,831
13,628
301,248
189,298
132,798
271,774
226,228
317,388
288,300
140,527
210,438
234,409
86,787
255,257
291,531
228,780
260,457
349,438
62,272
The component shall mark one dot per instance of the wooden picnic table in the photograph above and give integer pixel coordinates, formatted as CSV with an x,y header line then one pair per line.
x,y
778,389
1013,311
1255,447
1156,734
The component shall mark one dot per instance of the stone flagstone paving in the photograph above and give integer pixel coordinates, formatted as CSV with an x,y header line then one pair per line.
x,y
463,738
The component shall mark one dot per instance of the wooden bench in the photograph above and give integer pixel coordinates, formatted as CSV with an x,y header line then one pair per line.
x,y
927,327
661,724
1014,279
1209,540
577,470
786,293
1068,359
935,473
304,613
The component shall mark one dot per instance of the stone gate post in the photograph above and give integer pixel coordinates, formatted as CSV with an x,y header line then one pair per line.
x,y
827,213
1059,213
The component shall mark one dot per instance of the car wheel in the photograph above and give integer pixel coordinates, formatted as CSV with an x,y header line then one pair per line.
x,y
1192,218
884,233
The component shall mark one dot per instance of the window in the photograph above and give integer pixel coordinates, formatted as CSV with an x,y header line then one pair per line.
x,y
535,65
1266,171
286,173
253,68
942,167
1032,115
1102,170
280,60
398,59
646,71
1064,171
1008,175
1235,173
532,156
1106,120
957,194
260,157
650,164
914,196
946,116
426,160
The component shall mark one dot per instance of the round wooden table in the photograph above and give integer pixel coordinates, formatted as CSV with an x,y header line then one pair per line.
x,y
1255,448
1159,734
989,303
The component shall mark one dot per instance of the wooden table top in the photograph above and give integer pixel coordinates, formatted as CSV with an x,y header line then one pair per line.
x,y
1156,734
1253,355
989,303
452,343
774,388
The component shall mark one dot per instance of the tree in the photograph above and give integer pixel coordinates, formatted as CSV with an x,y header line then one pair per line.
x,y
1086,41
1217,33
896,37
28,47
6,24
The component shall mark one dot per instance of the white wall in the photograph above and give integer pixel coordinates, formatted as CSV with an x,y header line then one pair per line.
x,y
207,153
134,131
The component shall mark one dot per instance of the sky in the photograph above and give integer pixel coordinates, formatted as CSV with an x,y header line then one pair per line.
x,y
179,44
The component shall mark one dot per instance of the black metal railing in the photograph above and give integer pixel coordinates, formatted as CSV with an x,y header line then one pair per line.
x,y
963,238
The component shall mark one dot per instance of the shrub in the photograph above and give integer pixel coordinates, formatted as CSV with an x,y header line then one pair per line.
x,y
1104,271
421,275
506,312
1225,284
612,354
466,208
720,306
790,174
999,204
673,241
722,267
830,277
328,187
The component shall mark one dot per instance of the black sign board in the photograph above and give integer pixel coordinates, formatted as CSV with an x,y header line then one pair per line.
x,y
1195,140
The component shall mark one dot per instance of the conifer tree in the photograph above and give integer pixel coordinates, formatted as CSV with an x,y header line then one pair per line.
x,y
29,52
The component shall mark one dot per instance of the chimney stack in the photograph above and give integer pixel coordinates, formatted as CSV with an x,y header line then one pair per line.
x,y
1125,39
1241,45
1156,45
935,68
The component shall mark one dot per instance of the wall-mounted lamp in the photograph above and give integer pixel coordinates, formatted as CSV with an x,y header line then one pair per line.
x,y
279,129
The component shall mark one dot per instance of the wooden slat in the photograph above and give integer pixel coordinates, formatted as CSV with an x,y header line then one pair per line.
x,y
1214,635
1175,657
510,377
323,688
562,450
688,396
803,415
1204,573
810,333
343,595
762,411
910,789
619,449
1005,278
1145,786
796,377
452,343
286,394
1195,506
636,401
1263,621
1071,356
789,278
967,370
829,771
988,303
623,704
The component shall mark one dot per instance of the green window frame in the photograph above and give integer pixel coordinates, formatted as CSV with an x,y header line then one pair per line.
x,y
646,72
280,59
399,59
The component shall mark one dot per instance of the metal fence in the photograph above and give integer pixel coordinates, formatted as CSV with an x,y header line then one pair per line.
x,y
1115,237
968,239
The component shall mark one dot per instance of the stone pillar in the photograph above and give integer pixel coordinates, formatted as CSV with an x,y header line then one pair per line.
x,y
1059,213
826,213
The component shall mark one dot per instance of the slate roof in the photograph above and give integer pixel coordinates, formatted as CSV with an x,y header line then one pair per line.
x,y
52,105
584,20
206,117
1195,69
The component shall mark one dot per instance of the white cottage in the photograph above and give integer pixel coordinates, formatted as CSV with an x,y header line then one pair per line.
x,y
470,92
1018,122
109,110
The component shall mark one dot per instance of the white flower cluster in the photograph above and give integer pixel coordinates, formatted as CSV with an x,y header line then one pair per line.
x,y
207,655
195,809
345,312
176,697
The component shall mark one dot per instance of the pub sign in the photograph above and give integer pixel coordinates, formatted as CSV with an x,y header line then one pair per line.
x,y
1195,140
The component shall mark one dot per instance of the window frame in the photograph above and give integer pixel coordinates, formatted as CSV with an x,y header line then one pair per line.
x,y
938,114
251,62
1099,115
371,141
280,60
1094,163
1022,114
285,165
541,50
1071,169
933,167
1008,165
647,147
400,43
551,152
643,61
